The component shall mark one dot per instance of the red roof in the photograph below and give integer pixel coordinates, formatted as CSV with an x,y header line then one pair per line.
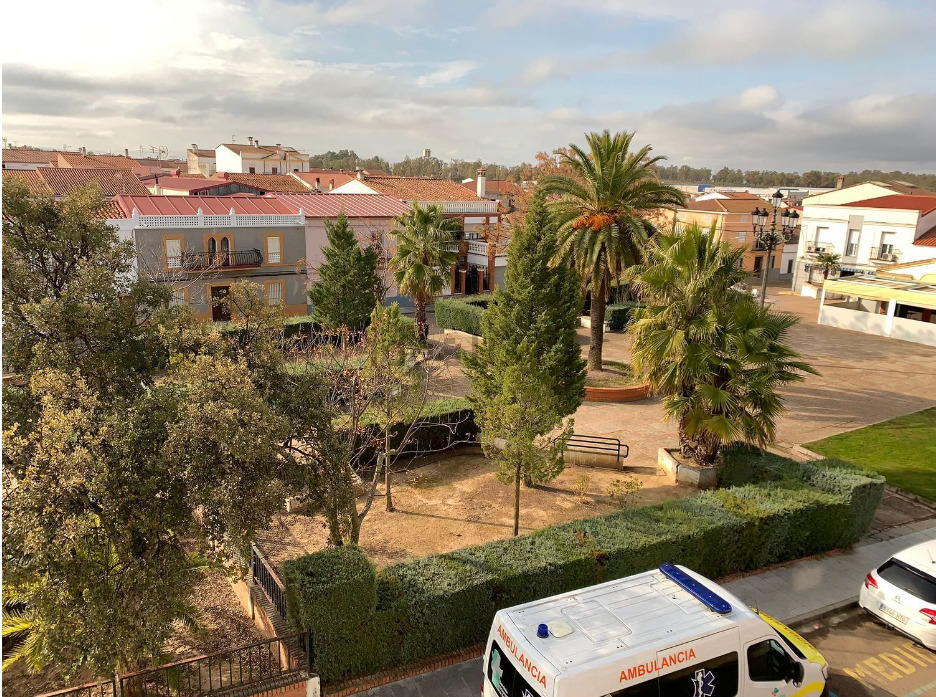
x,y
264,182
65,180
326,177
30,155
192,184
927,239
352,205
916,202
34,181
209,205
427,189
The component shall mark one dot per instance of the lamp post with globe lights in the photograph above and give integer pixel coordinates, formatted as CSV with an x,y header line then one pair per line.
x,y
769,238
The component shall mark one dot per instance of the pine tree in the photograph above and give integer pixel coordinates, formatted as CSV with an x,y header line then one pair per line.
x,y
528,374
348,288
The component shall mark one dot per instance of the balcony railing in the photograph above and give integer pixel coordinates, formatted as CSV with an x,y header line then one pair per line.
x,y
820,248
887,253
203,261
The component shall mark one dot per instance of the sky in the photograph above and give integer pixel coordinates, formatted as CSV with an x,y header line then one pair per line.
x,y
759,84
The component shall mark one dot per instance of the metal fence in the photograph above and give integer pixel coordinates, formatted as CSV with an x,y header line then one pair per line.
x,y
94,689
265,578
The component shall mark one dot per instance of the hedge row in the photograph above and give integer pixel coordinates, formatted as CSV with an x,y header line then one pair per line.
x,y
618,315
464,315
425,607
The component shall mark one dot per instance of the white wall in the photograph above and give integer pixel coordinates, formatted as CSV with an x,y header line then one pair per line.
x,y
850,194
873,323
227,160
353,187
24,165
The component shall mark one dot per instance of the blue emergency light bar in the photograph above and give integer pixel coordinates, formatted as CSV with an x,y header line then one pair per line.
x,y
709,598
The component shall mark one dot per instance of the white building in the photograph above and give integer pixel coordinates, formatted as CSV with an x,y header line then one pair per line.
x,y
201,161
868,235
253,158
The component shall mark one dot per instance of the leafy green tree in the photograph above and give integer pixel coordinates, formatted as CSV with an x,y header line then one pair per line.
x,y
828,262
603,214
528,374
348,286
422,260
395,380
717,358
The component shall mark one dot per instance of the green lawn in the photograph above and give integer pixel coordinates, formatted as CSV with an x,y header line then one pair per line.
x,y
902,449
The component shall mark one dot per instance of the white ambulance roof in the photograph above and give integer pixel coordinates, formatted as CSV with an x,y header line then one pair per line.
x,y
619,618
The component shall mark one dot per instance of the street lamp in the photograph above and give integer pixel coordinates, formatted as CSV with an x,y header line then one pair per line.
x,y
772,237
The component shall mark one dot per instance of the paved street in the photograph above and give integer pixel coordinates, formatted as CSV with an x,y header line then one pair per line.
x,y
869,660
790,593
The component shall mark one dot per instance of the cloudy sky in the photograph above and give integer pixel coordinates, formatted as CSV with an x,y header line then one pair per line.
x,y
761,84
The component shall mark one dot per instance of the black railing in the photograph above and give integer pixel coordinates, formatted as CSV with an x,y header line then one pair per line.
x,y
94,689
599,444
197,261
265,578
264,665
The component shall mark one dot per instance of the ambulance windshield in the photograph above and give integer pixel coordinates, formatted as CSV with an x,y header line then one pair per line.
x,y
504,678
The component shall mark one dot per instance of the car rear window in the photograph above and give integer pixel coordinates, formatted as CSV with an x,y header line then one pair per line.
x,y
905,577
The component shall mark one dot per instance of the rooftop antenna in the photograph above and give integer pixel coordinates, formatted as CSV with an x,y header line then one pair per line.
x,y
159,152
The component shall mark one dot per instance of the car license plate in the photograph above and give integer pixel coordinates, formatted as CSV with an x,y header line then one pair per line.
x,y
893,613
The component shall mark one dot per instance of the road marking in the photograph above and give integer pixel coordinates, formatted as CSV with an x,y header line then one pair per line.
x,y
888,666
921,690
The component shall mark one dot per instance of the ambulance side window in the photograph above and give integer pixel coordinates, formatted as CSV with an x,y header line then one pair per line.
x,y
767,661
716,677
504,678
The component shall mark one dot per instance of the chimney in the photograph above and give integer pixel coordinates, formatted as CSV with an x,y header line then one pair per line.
x,y
279,145
256,141
250,139
840,181
126,152
194,146
331,184
223,175
482,181
427,152
318,183
84,150
360,174
177,173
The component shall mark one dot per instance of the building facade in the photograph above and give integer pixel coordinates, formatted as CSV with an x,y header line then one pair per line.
x,y
253,158
201,161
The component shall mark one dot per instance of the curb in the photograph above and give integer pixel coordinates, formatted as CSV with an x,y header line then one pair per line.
x,y
822,613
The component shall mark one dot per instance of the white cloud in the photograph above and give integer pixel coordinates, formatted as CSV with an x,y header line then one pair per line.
x,y
448,72
760,98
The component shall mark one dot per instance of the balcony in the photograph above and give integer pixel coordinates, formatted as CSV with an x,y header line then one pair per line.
x,y
212,261
820,248
885,253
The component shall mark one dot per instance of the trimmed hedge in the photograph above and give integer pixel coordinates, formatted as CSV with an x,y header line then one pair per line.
x,y
433,605
619,314
456,313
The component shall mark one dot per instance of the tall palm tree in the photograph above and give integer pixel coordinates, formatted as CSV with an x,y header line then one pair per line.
x,y
422,259
716,357
603,210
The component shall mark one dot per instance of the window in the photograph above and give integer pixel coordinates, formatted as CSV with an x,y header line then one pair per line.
x,y
717,676
851,247
274,247
179,297
274,293
887,243
504,678
252,170
274,171
742,235
920,584
768,662
789,266
295,169
172,248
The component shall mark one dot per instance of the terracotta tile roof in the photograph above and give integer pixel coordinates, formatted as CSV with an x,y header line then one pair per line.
x,y
907,189
352,205
326,177
210,205
201,152
265,150
916,202
30,155
927,239
120,162
420,189
192,184
730,205
113,211
64,180
33,179
265,182
77,159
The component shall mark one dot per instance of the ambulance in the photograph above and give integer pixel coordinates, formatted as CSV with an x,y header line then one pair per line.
x,y
663,633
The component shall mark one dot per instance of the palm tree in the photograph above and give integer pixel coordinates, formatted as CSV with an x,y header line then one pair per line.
x,y
21,643
603,210
422,257
828,262
716,357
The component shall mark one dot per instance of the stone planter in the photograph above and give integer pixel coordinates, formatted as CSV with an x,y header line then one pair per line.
x,y
683,472
628,393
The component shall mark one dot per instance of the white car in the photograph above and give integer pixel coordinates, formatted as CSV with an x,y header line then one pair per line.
x,y
902,593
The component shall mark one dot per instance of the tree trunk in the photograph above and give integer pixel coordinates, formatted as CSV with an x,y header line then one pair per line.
x,y
703,450
597,325
490,270
422,326
517,501
387,474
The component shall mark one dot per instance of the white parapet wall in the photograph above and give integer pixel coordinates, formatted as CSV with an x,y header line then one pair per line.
x,y
873,323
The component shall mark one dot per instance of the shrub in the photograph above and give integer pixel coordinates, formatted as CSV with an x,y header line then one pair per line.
x,y
429,606
618,315
464,315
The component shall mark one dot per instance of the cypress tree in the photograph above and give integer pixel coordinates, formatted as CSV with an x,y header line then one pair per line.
x,y
349,287
528,374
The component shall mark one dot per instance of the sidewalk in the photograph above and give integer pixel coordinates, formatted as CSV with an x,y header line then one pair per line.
x,y
792,594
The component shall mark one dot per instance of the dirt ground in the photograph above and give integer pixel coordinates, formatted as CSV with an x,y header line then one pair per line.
x,y
459,502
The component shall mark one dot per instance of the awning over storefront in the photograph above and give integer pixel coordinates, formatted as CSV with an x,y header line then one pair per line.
x,y
919,294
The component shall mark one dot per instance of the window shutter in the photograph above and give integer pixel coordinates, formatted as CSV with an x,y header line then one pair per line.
x,y
174,254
